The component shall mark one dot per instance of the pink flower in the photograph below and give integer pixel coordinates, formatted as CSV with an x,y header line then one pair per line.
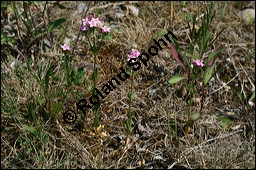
x,y
92,16
105,29
198,62
133,54
65,47
94,22
85,21
84,28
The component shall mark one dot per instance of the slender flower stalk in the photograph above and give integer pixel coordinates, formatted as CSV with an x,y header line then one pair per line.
x,y
90,27
131,94
66,48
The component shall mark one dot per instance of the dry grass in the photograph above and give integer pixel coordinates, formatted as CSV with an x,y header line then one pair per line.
x,y
51,143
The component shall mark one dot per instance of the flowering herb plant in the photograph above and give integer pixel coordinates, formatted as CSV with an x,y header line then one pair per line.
x,y
95,31
198,66
127,127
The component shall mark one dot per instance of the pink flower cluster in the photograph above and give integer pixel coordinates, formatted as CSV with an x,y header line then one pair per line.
x,y
198,62
91,21
133,54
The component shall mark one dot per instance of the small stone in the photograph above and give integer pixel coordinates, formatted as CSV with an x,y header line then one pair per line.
x,y
242,59
13,65
159,158
134,11
81,7
152,91
119,15
248,15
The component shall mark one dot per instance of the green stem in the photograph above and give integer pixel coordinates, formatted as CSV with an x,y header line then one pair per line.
x,y
130,107
175,124
95,50
66,66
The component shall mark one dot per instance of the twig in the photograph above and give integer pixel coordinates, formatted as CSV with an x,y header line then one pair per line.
x,y
172,165
209,140
225,84
253,87
239,78
33,21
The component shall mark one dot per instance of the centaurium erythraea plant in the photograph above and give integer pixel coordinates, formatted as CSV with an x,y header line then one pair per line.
x,y
134,54
95,30
198,66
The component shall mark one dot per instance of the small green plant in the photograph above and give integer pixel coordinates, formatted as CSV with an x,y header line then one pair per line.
x,y
199,68
196,70
225,122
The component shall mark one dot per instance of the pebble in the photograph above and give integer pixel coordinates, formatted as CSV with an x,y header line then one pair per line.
x,y
13,65
247,15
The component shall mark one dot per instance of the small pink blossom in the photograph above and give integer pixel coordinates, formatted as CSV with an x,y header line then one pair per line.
x,y
105,29
85,21
94,22
92,16
65,47
133,54
198,62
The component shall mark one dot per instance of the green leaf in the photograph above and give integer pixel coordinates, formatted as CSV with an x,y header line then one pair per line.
x,y
176,78
195,116
31,111
204,43
131,96
97,107
37,2
252,96
217,36
30,129
95,75
40,100
8,6
8,40
108,37
212,55
46,78
52,26
57,107
55,24
160,33
208,74
240,97
225,119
